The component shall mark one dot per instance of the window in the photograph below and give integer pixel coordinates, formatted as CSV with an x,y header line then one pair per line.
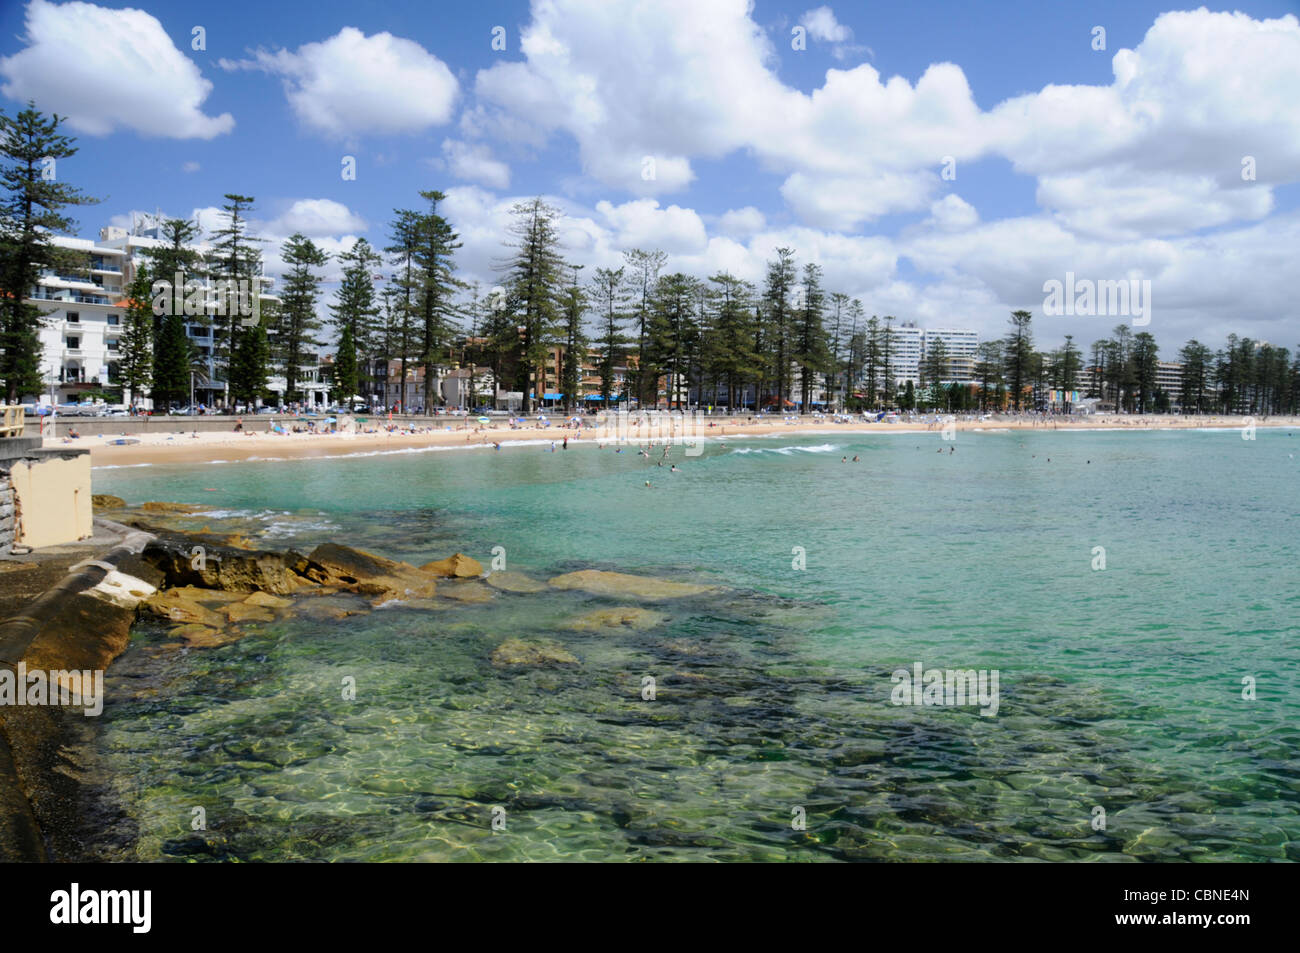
x,y
74,316
113,319
74,343
112,344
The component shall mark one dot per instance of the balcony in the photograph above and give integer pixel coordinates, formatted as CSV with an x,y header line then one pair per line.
x,y
69,297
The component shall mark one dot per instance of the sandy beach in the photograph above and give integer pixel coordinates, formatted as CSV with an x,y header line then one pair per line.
x,y
259,442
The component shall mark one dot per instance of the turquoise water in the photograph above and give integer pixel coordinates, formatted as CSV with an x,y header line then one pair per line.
x,y
1120,689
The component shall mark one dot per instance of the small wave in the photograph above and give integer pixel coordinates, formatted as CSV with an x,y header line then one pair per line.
x,y
120,466
791,451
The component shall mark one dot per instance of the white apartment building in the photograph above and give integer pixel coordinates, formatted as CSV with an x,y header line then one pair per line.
x,y
80,333
907,346
960,346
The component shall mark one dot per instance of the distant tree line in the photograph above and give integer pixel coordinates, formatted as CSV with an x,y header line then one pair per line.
x,y
679,338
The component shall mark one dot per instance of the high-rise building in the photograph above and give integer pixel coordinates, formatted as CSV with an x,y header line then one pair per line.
x,y
959,347
85,308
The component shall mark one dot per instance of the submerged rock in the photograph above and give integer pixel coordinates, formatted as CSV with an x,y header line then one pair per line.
x,y
623,584
328,608
466,592
514,582
517,652
455,566
205,637
154,506
624,617
365,573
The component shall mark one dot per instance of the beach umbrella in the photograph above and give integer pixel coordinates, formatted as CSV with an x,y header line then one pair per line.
x,y
484,420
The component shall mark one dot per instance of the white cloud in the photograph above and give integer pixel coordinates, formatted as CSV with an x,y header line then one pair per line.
x,y
352,84
1159,151
952,212
1155,152
741,222
108,70
822,25
474,163
190,166
316,218
643,224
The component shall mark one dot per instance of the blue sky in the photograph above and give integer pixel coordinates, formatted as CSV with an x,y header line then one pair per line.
x,y
1116,163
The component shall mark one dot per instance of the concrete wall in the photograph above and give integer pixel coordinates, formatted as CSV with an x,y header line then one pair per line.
x,y
50,497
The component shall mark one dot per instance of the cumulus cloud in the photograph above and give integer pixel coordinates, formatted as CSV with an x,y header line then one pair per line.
x,y
1160,151
352,84
474,163
1157,151
316,218
741,222
822,25
108,70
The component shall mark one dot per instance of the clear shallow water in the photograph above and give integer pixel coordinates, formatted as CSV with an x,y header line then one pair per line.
x,y
1119,688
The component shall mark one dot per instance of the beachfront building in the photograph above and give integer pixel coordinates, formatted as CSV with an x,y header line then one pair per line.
x,y
85,307
906,346
1169,378
959,347
79,337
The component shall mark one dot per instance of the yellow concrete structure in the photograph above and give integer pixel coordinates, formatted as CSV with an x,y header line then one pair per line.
x,y
47,497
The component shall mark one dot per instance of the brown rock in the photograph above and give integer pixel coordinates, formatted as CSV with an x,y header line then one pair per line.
x,y
205,637
466,592
243,612
329,608
173,604
207,597
185,561
625,585
104,501
514,582
517,652
357,571
455,566
624,617
268,601
157,507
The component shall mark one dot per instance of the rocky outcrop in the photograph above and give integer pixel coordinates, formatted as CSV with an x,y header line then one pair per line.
x,y
626,586
455,566
516,653
357,571
212,566
104,501
624,617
